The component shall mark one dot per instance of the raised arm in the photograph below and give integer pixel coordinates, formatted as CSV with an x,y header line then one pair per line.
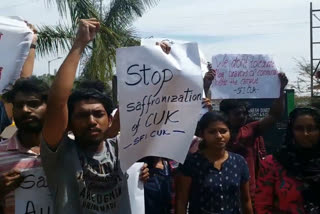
x,y
27,68
207,80
57,112
277,108
183,185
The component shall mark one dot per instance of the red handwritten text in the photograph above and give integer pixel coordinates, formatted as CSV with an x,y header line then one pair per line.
x,y
223,63
240,63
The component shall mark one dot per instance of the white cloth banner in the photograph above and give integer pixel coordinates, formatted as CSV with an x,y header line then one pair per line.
x,y
33,195
160,101
15,41
244,76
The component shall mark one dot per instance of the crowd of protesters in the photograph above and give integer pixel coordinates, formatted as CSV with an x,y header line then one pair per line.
x,y
227,170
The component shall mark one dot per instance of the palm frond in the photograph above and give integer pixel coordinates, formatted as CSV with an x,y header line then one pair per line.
x,y
127,37
81,9
123,12
115,32
54,39
77,9
99,65
61,5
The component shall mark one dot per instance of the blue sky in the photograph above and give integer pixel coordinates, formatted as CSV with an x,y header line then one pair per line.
x,y
276,27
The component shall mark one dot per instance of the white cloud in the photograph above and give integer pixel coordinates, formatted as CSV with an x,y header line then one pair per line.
x,y
276,27
205,17
37,12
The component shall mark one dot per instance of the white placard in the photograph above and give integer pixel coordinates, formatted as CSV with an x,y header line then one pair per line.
x,y
15,41
152,41
132,201
33,195
160,101
244,76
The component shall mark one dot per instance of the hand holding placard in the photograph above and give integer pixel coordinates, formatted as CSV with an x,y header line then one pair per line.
x,y
9,181
160,99
33,195
16,37
244,76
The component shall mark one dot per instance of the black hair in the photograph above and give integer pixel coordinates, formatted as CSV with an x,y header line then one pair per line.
x,y
29,85
302,163
91,89
209,117
206,119
297,112
227,105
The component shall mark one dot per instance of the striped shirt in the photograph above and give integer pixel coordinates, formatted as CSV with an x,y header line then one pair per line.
x,y
14,156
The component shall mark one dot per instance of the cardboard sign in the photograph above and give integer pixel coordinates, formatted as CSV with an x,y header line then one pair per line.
x,y
33,195
15,41
244,76
160,101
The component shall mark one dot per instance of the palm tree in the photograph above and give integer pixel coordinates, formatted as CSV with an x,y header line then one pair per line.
x,y
116,31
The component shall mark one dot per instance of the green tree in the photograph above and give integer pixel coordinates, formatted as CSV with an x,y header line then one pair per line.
x,y
302,85
116,20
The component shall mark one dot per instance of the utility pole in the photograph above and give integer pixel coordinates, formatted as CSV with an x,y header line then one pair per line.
x,y
49,61
313,14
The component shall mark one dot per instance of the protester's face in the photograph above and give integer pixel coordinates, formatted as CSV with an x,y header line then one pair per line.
x,y
306,132
216,135
89,121
238,117
28,112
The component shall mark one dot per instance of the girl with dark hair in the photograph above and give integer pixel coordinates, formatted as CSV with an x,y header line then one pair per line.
x,y
289,181
213,180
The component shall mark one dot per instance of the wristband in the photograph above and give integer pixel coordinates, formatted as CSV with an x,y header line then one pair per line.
x,y
33,46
